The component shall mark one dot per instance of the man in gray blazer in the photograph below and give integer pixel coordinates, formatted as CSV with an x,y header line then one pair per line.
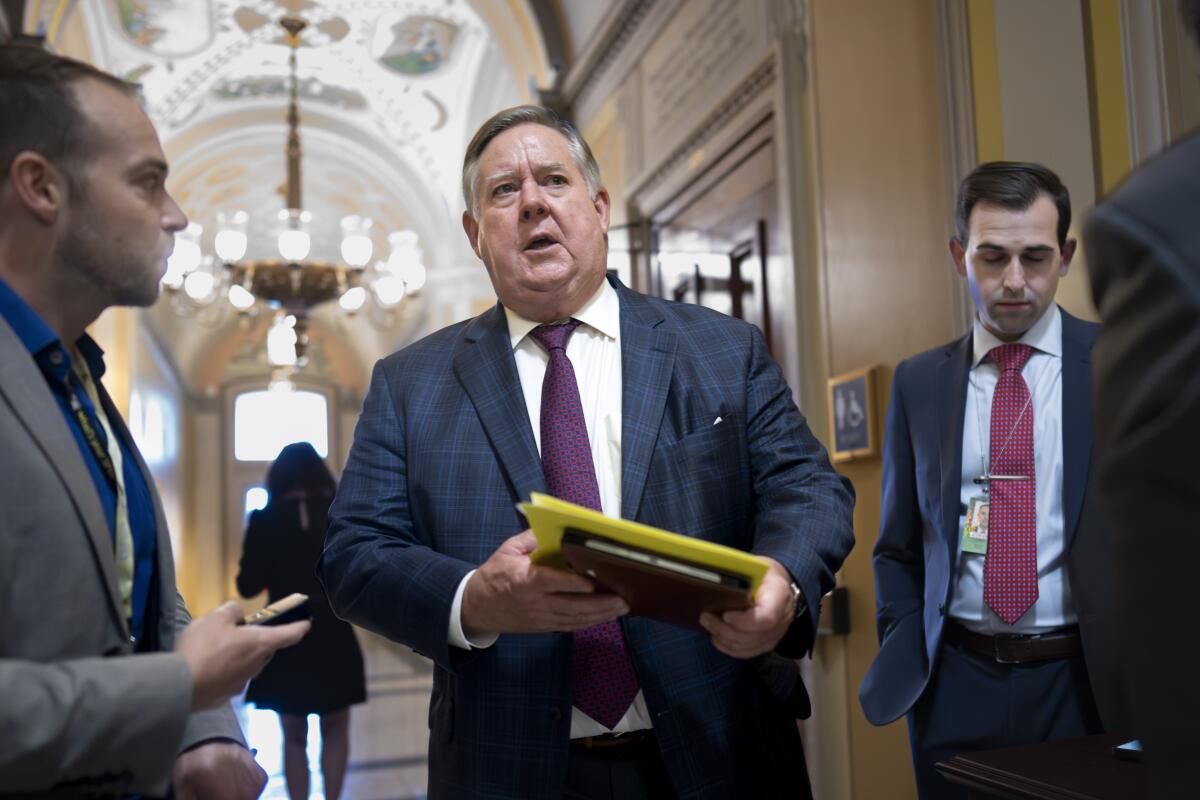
x,y
1144,261
105,687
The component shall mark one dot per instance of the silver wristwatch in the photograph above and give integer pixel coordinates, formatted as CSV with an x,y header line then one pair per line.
x,y
798,600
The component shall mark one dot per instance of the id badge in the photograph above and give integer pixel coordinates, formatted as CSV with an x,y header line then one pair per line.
x,y
975,526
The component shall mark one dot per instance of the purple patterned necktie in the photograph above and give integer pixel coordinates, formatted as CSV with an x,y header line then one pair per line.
x,y
1010,584
602,676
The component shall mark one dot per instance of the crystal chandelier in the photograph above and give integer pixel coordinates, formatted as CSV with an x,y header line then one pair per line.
x,y
290,282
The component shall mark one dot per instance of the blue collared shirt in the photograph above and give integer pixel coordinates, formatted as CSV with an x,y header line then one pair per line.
x,y
54,361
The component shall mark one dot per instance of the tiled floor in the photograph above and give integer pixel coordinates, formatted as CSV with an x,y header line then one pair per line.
x,y
388,734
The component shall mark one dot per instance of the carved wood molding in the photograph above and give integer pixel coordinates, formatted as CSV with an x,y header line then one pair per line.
x,y
747,91
605,49
958,122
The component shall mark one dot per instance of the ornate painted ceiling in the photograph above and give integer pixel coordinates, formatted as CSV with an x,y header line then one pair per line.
x,y
390,92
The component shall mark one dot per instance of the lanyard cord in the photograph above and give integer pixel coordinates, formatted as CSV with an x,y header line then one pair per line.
x,y
984,461
91,436
111,461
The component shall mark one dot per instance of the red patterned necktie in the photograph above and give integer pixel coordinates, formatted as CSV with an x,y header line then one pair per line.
x,y
602,676
1010,568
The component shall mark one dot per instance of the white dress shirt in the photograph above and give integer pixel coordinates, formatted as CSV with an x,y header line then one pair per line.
x,y
1043,374
595,353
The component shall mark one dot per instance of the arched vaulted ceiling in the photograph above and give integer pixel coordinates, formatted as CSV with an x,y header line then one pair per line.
x,y
390,91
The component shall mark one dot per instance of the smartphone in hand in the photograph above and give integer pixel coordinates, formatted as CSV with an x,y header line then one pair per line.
x,y
292,608
1128,751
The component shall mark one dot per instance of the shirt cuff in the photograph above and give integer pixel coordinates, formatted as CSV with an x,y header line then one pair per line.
x,y
458,638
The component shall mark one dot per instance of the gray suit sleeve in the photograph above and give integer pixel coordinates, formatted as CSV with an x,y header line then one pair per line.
x,y
102,725
217,723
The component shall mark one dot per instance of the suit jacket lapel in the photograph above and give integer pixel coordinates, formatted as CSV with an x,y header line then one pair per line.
x,y
1076,421
25,388
647,362
484,365
951,393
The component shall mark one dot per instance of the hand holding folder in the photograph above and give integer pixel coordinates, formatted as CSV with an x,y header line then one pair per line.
x,y
662,575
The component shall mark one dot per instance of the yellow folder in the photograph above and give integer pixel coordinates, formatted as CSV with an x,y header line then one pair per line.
x,y
549,517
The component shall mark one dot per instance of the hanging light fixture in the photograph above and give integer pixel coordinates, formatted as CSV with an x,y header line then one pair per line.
x,y
291,282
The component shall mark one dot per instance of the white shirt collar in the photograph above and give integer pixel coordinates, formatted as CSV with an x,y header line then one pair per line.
x,y
602,313
1045,336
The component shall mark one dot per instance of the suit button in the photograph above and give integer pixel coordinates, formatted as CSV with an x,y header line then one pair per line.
x,y
942,609
555,713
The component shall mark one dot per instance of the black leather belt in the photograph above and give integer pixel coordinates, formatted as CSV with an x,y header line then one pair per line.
x,y
612,740
1015,648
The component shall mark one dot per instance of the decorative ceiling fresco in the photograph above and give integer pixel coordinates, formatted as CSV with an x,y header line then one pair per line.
x,y
414,44
166,29
389,93
399,75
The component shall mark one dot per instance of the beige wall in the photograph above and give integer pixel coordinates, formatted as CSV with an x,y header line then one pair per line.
x,y
1043,99
883,220
1046,109
1044,90
156,417
202,577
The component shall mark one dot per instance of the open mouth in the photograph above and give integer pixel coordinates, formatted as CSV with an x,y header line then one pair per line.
x,y
540,243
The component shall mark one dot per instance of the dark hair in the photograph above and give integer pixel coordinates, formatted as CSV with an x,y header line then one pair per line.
x,y
299,467
525,115
1189,10
39,110
1014,185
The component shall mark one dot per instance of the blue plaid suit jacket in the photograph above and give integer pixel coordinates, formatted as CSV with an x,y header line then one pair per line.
x,y
444,449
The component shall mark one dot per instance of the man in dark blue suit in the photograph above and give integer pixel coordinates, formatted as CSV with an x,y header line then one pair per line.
x,y
690,426
991,570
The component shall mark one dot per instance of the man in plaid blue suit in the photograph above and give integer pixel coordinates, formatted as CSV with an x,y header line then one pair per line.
x,y
692,428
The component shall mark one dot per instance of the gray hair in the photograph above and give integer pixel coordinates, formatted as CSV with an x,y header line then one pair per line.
x,y
525,115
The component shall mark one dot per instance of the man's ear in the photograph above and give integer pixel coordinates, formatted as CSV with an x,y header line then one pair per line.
x,y
471,227
38,185
1068,252
602,203
959,255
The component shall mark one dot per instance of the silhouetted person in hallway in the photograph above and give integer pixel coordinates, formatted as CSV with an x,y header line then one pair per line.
x,y
323,674
1143,247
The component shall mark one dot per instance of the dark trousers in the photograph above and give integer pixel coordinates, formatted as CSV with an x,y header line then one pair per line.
x,y
973,703
632,772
